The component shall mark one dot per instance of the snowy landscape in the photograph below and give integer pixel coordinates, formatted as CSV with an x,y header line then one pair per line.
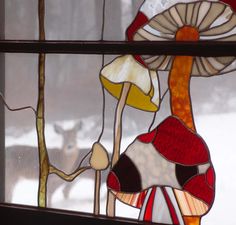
x,y
217,130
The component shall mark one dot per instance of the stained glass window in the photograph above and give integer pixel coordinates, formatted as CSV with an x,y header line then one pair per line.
x,y
134,135
182,188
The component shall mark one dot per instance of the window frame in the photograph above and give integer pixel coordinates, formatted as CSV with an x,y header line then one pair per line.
x,y
20,214
2,117
200,48
30,215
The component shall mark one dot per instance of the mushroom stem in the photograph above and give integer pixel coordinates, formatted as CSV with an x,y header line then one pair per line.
x,y
96,209
179,84
192,220
118,123
179,80
117,141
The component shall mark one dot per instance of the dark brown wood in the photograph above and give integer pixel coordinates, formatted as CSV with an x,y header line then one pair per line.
x,y
27,215
2,116
201,48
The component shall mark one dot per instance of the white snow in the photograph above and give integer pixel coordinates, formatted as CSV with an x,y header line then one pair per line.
x,y
218,131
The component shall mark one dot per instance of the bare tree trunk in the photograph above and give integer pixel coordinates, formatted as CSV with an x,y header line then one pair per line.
x,y
117,142
40,121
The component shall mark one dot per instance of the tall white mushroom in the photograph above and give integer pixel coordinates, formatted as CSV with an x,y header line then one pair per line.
x,y
133,84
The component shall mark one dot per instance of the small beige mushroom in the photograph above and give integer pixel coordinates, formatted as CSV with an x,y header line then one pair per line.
x,y
99,159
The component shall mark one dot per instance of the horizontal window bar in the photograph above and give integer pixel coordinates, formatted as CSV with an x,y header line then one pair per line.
x,y
29,215
201,48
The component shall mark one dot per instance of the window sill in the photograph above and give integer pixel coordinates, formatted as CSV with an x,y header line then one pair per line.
x,y
29,215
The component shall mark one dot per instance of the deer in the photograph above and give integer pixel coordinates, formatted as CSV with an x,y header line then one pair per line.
x,y
22,162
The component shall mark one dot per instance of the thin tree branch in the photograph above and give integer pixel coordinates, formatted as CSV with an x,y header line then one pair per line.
x,y
67,177
16,109
84,158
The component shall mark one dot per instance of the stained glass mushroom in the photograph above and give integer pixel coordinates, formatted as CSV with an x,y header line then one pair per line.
x,y
194,21
185,21
179,170
133,84
232,3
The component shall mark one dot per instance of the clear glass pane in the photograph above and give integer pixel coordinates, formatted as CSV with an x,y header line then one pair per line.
x,y
73,110
69,20
214,110
74,103
20,134
21,19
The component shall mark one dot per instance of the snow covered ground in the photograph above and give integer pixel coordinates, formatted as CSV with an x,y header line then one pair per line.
x,y
219,133
217,130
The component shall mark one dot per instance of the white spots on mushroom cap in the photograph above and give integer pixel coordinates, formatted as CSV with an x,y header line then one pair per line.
x,y
154,169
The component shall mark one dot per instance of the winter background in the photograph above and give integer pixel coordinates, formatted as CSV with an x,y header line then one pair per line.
x,y
73,93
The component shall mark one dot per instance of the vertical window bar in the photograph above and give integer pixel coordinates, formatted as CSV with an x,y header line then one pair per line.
x,y
2,116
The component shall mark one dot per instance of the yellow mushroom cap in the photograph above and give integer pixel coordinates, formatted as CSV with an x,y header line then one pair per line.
x,y
144,91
